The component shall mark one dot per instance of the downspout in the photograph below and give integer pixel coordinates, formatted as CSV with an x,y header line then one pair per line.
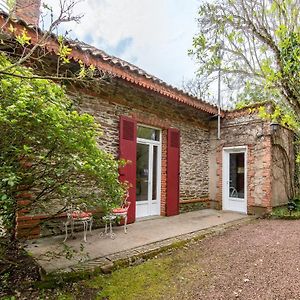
x,y
219,95
219,104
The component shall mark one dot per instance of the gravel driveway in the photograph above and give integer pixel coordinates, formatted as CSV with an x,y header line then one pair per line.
x,y
260,260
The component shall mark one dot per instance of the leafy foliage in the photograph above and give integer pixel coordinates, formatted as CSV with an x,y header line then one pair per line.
x,y
49,149
23,39
284,213
256,45
63,51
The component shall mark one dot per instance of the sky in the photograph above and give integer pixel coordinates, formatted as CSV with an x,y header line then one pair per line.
x,y
154,35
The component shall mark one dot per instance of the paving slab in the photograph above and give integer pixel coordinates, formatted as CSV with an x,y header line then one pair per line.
x,y
143,236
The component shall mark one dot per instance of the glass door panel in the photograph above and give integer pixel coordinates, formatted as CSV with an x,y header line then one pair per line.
x,y
142,172
154,173
237,175
148,169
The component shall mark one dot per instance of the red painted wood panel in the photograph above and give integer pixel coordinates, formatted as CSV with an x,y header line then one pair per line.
x,y
173,172
127,151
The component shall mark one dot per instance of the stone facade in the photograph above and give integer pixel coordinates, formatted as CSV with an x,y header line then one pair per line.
x,y
161,113
270,155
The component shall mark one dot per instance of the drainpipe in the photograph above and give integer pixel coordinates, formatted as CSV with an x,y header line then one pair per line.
x,y
219,96
219,105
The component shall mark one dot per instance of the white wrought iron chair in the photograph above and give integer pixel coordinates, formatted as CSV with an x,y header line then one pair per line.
x,y
119,212
122,212
79,216
233,192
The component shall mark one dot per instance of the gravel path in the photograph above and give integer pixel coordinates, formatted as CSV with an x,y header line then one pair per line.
x,y
260,260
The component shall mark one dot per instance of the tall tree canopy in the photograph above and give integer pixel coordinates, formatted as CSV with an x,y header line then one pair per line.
x,y
256,44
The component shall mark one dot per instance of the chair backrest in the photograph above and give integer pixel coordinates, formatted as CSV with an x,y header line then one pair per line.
x,y
77,211
126,203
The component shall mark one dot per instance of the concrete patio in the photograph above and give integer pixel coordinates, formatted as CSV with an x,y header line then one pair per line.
x,y
51,252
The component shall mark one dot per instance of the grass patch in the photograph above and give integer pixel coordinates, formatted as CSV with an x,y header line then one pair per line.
x,y
66,296
283,213
162,277
150,280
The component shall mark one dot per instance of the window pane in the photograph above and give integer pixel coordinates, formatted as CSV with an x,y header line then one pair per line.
x,y
154,179
148,133
142,172
237,175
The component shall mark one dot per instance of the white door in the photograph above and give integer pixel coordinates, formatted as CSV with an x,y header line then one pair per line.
x,y
235,179
148,170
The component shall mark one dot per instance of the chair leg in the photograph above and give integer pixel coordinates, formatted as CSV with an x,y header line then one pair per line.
x,y
72,228
105,230
66,228
91,224
84,230
110,228
111,234
125,224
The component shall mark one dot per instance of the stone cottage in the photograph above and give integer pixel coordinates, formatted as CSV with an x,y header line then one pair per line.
x,y
171,140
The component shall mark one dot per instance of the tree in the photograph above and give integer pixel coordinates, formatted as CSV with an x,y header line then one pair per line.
x,y
30,49
199,88
48,149
259,41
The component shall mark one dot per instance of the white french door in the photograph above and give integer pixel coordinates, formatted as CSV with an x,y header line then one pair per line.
x,y
235,179
148,173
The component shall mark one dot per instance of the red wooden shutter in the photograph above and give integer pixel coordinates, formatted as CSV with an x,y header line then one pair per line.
x,y
173,171
127,151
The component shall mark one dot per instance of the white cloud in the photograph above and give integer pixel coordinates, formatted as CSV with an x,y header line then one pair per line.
x,y
153,34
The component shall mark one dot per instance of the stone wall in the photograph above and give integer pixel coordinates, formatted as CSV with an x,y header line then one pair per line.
x,y
243,128
149,109
194,152
283,166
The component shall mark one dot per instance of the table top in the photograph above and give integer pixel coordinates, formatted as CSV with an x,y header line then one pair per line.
x,y
109,217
